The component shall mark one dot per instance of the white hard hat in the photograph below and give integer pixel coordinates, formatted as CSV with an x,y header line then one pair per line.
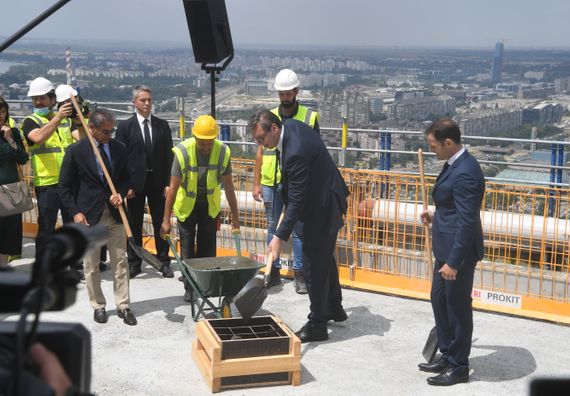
x,y
286,80
40,86
63,92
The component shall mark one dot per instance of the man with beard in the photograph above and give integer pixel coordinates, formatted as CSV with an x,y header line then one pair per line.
x,y
267,173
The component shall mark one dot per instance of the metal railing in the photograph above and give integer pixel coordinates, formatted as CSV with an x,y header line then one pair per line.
x,y
381,246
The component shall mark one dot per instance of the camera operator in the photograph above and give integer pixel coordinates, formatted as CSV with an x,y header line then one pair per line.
x,y
72,124
47,138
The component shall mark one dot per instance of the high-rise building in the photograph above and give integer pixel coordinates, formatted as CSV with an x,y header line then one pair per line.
x,y
256,87
421,109
497,64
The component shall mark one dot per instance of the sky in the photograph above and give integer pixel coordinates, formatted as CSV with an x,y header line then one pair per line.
x,y
363,23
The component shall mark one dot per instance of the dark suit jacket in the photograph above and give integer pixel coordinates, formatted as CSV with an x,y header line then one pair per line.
x,y
129,132
457,231
80,187
314,190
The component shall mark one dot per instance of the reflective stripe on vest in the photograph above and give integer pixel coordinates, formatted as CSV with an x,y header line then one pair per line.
x,y
64,130
304,114
46,157
186,155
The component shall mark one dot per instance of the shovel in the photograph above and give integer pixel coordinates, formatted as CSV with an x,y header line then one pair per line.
x,y
139,251
251,297
430,348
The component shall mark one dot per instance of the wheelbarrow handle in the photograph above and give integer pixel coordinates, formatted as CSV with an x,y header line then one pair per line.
x,y
186,275
168,239
237,237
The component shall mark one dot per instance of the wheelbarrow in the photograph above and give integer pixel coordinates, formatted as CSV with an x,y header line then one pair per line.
x,y
211,277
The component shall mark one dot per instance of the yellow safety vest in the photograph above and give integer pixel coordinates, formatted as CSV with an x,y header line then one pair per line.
x,y
47,157
64,131
186,155
11,122
304,114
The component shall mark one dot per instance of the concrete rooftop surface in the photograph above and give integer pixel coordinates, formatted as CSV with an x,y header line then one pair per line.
x,y
375,352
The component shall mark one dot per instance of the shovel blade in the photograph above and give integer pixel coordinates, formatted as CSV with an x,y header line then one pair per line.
x,y
251,297
144,255
430,347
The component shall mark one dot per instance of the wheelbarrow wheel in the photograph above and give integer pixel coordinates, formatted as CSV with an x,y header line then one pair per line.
x,y
227,307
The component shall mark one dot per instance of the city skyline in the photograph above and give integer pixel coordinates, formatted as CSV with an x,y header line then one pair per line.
x,y
365,23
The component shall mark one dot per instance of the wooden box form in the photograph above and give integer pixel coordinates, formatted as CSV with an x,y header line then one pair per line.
x,y
235,353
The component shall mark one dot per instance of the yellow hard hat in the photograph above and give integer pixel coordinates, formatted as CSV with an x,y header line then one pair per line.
x,y
205,127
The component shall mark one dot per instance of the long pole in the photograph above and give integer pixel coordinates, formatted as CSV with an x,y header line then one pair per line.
x,y
425,206
32,24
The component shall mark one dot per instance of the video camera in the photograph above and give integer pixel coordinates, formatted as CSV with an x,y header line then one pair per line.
x,y
85,110
51,286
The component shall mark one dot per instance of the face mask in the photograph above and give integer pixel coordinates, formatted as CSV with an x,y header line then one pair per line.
x,y
43,111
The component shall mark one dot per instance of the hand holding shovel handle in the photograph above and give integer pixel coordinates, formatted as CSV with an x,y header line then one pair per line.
x,y
102,165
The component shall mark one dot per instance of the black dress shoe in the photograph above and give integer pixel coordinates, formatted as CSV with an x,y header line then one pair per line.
x,y
166,271
100,316
128,316
338,315
134,271
450,376
435,367
103,267
312,332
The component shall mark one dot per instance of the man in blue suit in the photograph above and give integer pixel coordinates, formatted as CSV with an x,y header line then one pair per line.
x,y
457,247
315,193
87,197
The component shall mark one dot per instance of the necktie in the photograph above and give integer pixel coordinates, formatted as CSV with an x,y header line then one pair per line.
x,y
147,145
284,185
445,168
106,161
277,166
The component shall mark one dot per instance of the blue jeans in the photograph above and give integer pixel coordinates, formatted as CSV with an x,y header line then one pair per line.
x,y
272,214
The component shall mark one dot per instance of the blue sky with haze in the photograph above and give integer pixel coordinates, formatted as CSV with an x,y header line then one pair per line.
x,y
402,23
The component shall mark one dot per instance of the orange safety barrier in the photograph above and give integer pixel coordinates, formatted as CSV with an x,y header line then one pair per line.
x,y
526,266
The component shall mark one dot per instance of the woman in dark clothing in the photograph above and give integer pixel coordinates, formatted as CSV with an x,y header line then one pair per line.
x,y
12,153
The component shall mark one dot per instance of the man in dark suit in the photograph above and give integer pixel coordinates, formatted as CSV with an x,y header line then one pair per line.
x,y
87,197
149,144
315,193
457,247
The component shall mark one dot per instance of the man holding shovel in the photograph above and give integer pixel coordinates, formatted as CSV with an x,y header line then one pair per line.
x,y
87,197
315,193
457,247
